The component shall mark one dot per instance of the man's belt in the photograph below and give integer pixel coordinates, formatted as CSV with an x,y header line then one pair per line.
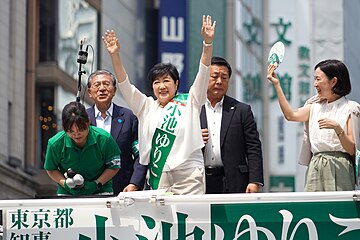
x,y
214,171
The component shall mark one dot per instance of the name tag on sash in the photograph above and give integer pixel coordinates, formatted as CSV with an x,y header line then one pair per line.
x,y
164,138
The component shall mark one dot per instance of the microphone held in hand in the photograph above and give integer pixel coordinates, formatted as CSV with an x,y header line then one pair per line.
x,y
70,182
70,173
73,179
78,180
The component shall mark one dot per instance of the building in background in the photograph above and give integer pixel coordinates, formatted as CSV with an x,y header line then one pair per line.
x,y
39,69
15,182
245,48
289,23
40,74
311,31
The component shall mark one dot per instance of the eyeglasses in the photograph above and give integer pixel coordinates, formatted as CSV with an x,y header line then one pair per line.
x,y
106,84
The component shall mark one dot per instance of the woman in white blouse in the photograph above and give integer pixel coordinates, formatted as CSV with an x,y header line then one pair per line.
x,y
332,137
170,139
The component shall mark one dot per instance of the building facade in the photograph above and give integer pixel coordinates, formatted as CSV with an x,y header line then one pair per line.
x,y
15,182
41,41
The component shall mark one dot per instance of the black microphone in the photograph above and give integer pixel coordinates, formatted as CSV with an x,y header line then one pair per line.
x,y
82,57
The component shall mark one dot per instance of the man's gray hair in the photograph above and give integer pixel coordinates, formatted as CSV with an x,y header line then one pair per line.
x,y
101,72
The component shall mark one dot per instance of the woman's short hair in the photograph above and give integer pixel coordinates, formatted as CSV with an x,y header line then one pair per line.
x,y
75,113
101,72
163,69
335,68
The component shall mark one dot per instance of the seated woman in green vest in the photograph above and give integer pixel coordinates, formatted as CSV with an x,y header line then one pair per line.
x,y
87,150
170,139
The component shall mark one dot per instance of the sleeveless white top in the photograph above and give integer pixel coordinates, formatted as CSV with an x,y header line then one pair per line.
x,y
326,139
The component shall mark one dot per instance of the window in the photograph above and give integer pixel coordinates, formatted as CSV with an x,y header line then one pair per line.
x,y
47,120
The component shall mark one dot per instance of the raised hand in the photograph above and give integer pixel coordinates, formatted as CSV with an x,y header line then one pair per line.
x,y
208,29
113,46
271,75
111,42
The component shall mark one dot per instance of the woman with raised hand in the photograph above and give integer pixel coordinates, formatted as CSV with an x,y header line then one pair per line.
x,y
170,139
333,127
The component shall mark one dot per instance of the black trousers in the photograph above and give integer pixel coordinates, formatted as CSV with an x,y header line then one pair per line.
x,y
215,184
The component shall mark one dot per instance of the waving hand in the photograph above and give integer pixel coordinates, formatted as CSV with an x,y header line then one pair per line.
x,y
208,29
111,42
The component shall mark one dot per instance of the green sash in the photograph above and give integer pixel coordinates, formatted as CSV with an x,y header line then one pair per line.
x,y
164,137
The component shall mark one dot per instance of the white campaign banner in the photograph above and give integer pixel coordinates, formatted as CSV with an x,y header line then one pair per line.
x,y
138,215
146,216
